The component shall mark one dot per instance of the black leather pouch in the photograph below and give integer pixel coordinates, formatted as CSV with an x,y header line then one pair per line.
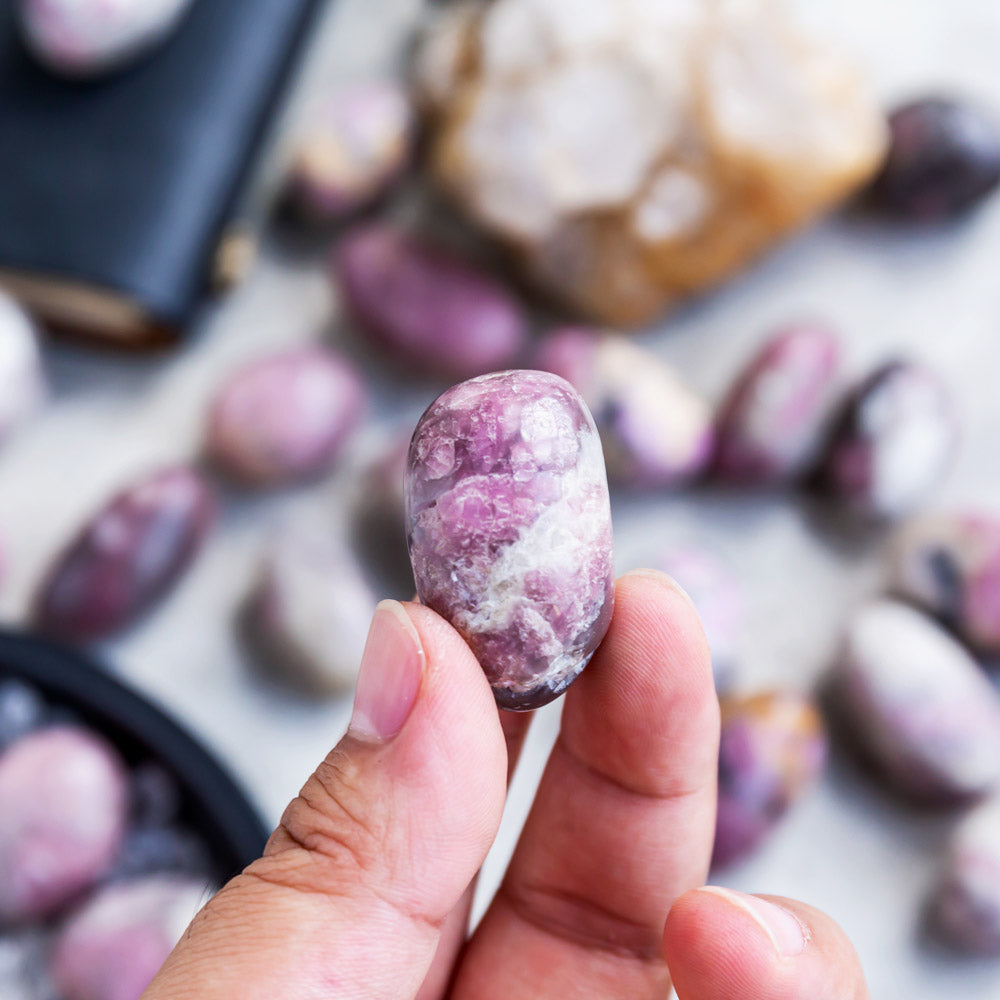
x,y
115,194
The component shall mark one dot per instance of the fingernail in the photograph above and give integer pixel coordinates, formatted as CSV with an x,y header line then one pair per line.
x,y
785,930
392,666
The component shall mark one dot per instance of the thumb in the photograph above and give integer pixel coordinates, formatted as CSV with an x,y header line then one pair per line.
x,y
722,944
349,898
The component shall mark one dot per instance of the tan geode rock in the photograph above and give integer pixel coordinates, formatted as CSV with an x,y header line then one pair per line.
x,y
633,152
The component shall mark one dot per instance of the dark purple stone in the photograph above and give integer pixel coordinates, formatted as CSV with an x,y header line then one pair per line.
x,y
770,426
509,526
944,158
772,749
126,557
893,443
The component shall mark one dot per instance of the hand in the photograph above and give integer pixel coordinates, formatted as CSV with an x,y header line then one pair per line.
x,y
364,889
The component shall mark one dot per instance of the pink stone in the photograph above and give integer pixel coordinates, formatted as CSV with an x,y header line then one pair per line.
x,y
115,944
770,426
427,309
127,556
63,802
286,417
509,525
655,430
718,595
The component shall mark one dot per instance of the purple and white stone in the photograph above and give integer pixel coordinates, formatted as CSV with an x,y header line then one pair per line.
x,y
949,565
917,705
356,145
509,524
773,748
307,618
718,596
943,161
285,418
127,556
64,803
894,442
965,904
427,309
22,384
770,426
655,430
81,38
114,945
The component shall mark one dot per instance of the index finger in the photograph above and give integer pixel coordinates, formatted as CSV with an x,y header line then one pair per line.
x,y
623,820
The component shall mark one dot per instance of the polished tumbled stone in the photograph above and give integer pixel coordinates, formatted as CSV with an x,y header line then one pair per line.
x,y
509,527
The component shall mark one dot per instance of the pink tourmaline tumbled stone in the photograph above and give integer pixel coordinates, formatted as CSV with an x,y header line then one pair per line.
x,y
63,808
427,309
509,527
114,945
656,431
127,556
770,425
286,417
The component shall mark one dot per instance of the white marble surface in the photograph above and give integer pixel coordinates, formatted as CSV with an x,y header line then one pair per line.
x,y
936,296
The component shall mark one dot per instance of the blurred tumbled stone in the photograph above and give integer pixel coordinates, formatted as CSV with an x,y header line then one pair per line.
x,y
717,594
63,804
285,417
510,529
356,144
944,159
655,430
773,748
425,308
307,617
949,564
917,705
965,904
127,556
633,153
113,946
770,426
80,38
893,443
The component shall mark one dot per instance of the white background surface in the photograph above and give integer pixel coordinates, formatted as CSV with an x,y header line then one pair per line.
x,y
846,849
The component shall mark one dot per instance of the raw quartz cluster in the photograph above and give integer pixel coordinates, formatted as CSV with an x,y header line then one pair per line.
x,y
509,525
633,152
